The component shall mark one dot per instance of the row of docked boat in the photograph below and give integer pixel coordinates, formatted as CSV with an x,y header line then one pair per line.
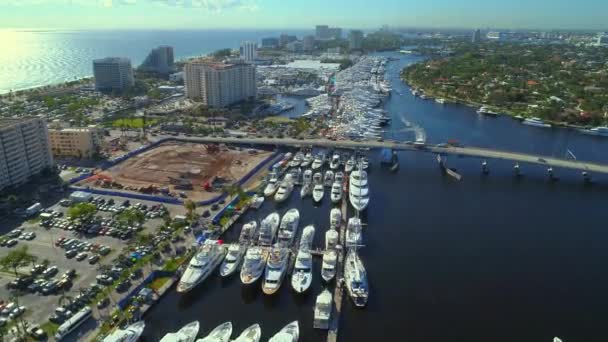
x,y
223,333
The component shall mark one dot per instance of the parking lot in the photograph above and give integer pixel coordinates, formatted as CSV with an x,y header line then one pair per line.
x,y
74,259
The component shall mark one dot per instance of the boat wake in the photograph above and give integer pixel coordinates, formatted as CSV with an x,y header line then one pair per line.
x,y
419,132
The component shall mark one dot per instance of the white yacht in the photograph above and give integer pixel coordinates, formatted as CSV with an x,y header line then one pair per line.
x,y
358,190
297,160
301,277
331,238
206,260
317,178
318,162
354,235
328,269
306,190
254,264
336,192
268,229
289,333
335,218
334,163
307,176
307,237
257,201
317,192
601,131
249,233
220,334
307,160
350,165
251,334
284,191
440,100
339,177
233,259
356,278
323,308
289,227
277,265
273,184
129,334
536,122
486,111
328,180
186,334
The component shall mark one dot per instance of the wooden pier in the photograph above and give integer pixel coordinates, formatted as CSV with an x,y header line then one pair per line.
x,y
332,334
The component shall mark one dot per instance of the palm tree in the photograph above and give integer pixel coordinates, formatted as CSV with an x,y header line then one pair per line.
x,y
190,207
17,258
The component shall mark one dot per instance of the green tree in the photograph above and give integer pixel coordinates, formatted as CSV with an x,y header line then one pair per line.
x,y
19,257
131,216
190,207
82,210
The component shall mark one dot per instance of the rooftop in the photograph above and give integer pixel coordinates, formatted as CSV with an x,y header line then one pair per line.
x,y
11,122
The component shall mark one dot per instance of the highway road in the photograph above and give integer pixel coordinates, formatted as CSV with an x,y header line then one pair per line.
x,y
469,151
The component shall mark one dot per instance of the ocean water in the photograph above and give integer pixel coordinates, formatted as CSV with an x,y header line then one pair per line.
x,y
35,58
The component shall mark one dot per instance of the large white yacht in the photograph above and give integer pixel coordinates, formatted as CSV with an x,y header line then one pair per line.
x,y
307,176
289,227
336,192
202,264
328,269
307,160
307,237
249,233
354,234
273,184
306,189
186,334
350,165
536,122
275,270
297,160
356,278
339,177
323,308
129,334
358,190
233,259
289,333
601,131
335,218
254,264
268,229
317,192
328,179
318,161
301,277
284,191
331,238
220,334
252,334
334,163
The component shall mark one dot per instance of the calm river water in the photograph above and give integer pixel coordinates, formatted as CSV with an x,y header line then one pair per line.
x,y
490,258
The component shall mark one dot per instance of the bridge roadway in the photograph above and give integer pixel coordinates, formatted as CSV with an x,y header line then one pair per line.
x,y
469,151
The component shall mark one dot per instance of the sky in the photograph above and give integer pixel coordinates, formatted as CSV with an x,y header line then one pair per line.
x,y
208,14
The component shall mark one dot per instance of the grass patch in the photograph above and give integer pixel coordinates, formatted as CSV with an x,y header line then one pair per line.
x,y
277,119
34,220
50,328
158,283
173,264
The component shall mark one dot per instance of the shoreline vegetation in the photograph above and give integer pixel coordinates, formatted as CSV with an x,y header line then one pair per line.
x,y
553,83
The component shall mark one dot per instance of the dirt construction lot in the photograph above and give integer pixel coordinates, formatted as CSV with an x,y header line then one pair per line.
x,y
188,163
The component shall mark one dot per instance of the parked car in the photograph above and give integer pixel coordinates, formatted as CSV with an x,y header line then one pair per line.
x,y
81,256
93,259
49,272
11,242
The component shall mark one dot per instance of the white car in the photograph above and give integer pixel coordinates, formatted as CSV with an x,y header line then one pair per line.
x,y
18,311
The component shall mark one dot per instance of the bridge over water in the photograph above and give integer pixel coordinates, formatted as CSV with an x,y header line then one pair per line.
x,y
469,151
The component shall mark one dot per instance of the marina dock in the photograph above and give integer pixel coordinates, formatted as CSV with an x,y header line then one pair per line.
x,y
332,334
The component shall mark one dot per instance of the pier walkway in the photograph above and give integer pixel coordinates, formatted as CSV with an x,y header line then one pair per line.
x,y
469,151
332,334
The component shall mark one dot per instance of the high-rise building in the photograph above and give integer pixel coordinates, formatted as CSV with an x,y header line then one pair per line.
x,y
308,43
602,39
24,150
355,39
249,51
81,142
476,36
113,73
270,43
220,84
324,32
159,60
285,39
495,35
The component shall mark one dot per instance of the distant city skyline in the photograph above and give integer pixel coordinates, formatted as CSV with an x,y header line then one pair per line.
x,y
208,14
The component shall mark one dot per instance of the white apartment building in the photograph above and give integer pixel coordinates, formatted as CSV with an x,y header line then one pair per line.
x,y
220,84
81,142
249,51
24,150
113,73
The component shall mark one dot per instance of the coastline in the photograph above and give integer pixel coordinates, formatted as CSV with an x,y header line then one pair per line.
x,y
475,105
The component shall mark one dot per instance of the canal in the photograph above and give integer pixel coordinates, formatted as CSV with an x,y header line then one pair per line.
x,y
490,258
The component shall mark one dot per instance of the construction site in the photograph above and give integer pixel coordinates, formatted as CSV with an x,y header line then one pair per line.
x,y
180,169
